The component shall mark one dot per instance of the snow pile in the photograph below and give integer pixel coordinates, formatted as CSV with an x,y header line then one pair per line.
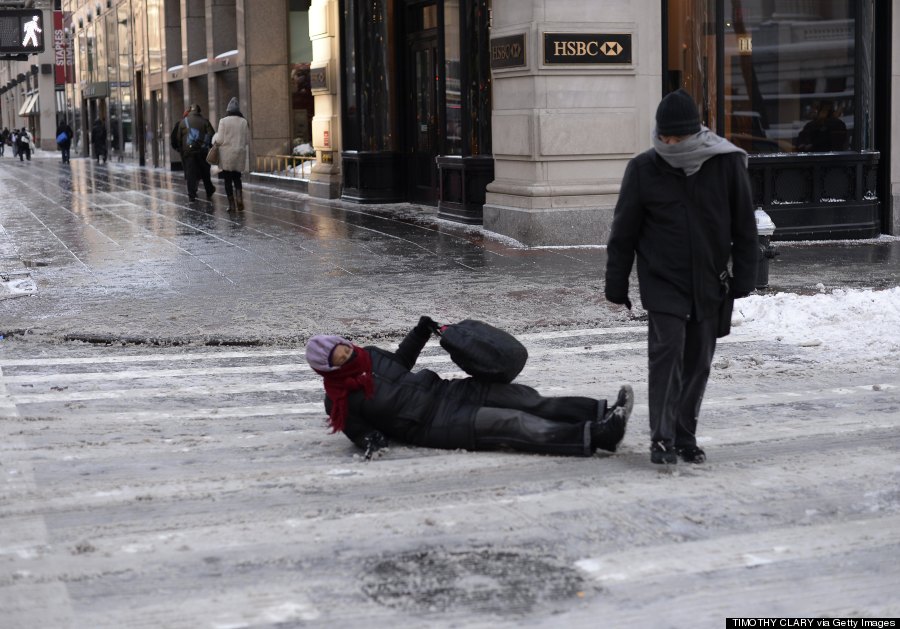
x,y
849,325
16,286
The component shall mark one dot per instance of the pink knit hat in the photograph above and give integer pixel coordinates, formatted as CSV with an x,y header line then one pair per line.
x,y
319,349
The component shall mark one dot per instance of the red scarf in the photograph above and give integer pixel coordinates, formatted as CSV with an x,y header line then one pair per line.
x,y
355,374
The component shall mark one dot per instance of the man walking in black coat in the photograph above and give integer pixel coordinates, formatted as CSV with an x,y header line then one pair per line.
x,y
373,394
195,139
64,139
98,139
684,209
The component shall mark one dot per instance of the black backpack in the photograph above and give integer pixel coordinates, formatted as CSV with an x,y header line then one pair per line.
x,y
175,139
483,351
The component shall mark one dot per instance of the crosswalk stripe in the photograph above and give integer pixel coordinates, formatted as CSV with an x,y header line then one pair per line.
x,y
135,374
214,389
219,412
144,358
795,543
201,355
300,366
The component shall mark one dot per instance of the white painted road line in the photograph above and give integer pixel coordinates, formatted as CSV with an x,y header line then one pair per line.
x,y
742,551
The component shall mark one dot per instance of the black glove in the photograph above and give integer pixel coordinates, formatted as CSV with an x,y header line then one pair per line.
x,y
626,302
429,324
374,441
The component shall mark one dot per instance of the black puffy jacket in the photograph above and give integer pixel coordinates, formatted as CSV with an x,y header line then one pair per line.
x,y
419,408
683,231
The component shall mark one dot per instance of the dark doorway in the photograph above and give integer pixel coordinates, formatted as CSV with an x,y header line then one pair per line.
x,y
423,81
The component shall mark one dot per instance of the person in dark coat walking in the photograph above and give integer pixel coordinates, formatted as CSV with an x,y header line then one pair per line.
x,y
98,140
25,144
373,395
66,144
193,154
685,208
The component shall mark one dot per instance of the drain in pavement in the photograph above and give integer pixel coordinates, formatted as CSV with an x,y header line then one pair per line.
x,y
485,581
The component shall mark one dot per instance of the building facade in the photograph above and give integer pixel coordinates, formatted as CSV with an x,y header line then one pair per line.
x,y
518,115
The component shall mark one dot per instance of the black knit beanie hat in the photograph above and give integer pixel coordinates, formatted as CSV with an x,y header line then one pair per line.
x,y
677,114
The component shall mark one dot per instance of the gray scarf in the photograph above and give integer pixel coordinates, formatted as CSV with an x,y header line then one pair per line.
x,y
689,154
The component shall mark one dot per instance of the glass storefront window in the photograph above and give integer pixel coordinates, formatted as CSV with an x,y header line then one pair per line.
x,y
101,67
793,75
369,109
478,77
124,63
790,75
154,30
453,96
302,101
691,53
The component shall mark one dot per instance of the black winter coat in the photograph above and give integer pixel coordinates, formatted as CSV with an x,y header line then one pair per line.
x,y
418,408
683,230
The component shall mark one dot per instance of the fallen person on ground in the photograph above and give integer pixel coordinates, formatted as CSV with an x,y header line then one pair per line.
x,y
373,395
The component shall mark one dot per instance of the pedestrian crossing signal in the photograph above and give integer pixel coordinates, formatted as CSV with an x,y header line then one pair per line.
x,y
21,31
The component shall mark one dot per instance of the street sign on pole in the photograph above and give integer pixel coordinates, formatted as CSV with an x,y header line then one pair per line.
x,y
21,31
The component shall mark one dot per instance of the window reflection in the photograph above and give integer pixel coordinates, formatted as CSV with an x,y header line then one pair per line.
x,y
789,82
453,96
789,72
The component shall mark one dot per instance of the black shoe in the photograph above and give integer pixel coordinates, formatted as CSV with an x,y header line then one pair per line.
x,y
192,197
608,434
691,454
209,193
661,453
625,401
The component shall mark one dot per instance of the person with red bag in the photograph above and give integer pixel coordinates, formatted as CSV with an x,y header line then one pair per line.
x,y
373,395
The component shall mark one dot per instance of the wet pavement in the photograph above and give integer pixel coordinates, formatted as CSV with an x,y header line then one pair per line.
x,y
187,485
117,251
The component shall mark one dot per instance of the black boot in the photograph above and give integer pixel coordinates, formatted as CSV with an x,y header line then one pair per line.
x,y
691,454
661,453
608,434
624,400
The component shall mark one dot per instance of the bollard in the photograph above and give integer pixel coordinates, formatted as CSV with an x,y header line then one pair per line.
x,y
764,228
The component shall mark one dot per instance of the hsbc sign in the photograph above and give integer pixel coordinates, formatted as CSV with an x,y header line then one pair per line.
x,y
587,48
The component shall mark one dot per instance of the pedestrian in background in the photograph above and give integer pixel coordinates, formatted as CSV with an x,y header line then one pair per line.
x,y
25,144
233,138
64,135
372,395
684,209
195,138
98,139
4,139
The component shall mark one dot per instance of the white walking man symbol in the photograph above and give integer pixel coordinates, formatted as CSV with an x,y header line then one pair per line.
x,y
31,31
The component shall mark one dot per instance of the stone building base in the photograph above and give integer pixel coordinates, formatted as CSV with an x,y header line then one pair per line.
x,y
550,227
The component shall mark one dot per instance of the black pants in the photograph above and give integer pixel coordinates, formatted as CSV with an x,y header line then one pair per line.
x,y
65,153
518,417
196,169
232,181
680,352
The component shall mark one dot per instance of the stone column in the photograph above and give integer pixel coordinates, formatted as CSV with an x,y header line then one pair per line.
x,y
262,35
563,134
325,179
